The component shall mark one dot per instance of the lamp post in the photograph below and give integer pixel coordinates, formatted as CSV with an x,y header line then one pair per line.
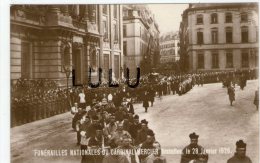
x,y
67,70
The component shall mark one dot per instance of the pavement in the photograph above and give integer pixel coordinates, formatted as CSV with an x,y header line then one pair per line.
x,y
204,110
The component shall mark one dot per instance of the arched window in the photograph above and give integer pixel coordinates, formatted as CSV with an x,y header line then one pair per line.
x,y
93,58
200,19
214,18
65,54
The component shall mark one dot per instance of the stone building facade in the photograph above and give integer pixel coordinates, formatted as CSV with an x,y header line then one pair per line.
x,y
141,38
169,47
47,38
217,37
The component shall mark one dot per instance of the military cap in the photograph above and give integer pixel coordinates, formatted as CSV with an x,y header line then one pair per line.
x,y
193,136
240,144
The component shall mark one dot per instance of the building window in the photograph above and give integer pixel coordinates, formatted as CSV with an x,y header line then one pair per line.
x,y
104,7
215,60
214,18
199,19
124,30
229,35
257,35
115,33
26,60
199,37
244,34
66,56
125,48
214,36
125,13
105,30
201,60
115,11
256,58
228,17
229,59
93,58
244,17
245,58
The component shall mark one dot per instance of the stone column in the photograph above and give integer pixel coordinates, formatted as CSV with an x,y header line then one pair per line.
x,y
64,10
92,13
86,15
54,9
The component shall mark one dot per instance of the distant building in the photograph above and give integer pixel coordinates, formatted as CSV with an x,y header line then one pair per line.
x,y
217,37
141,38
45,38
169,47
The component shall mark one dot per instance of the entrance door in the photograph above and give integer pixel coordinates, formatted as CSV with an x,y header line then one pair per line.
x,y
77,67
106,65
116,66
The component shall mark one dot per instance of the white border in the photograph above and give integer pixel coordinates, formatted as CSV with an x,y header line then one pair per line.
x,y
5,54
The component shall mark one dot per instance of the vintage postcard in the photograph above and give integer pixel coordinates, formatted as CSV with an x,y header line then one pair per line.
x,y
134,83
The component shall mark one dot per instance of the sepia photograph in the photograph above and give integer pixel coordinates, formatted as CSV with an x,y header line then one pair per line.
x,y
134,83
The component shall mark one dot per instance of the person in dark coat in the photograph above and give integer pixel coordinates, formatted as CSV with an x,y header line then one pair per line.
x,y
151,95
231,94
193,151
145,101
147,145
134,128
142,133
256,100
240,155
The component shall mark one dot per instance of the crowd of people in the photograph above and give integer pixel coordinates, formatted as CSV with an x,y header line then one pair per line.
x,y
33,100
104,118
37,99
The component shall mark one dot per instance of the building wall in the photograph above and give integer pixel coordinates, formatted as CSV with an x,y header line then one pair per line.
x,y
221,47
48,38
169,47
137,37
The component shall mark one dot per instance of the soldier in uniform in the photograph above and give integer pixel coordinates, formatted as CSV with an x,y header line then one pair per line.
x,y
240,155
193,150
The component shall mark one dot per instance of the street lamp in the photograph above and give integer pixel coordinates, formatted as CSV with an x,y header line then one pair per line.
x,y
67,70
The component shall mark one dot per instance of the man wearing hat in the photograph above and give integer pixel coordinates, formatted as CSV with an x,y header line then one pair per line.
x,y
134,128
193,150
117,135
128,150
147,145
97,142
240,155
142,133
111,127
